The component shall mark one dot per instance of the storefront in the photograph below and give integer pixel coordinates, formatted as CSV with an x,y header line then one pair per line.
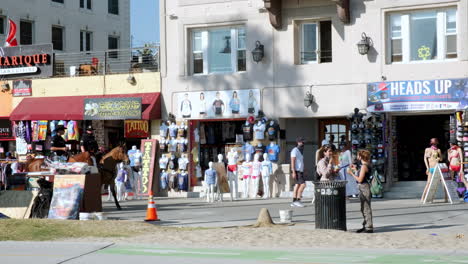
x,y
416,112
217,123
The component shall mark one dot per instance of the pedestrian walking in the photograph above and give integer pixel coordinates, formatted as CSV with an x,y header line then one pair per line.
x,y
362,176
297,168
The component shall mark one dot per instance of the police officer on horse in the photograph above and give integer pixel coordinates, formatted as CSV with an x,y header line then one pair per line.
x,y
58,142
88,141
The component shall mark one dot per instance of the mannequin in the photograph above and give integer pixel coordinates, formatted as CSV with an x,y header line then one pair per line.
x,y
163,161
131,155
163,145
183,162
232,157
173,162
172,144
182,130
256,172
173,128
273,151
173,177
432,156
183,180
267,170
455,155
272,130
137,160
259,130
164,180
210,180
260,149
222,183
246,174
247,149
247,130
163,130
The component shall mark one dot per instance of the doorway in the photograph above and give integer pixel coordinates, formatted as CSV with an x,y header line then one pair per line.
x,y
336,129
413,135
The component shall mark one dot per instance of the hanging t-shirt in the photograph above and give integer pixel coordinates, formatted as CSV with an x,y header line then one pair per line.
x,y
273,152
42,130
163,130
183,181
195,154
163,146
202,134
182,131
267,168
210,176
35,130
164,180
232,157
196,135
131,156
259,130
173,130
173,145
163,162
260,149
210,135
247,130
272,130
173,163
173,180
183,162
52,126
72,131
247,149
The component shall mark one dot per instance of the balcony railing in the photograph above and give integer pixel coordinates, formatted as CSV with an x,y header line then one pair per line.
x,y
135,60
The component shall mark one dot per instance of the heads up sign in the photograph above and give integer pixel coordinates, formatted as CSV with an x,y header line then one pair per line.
x,y
26,61
428,95
112,108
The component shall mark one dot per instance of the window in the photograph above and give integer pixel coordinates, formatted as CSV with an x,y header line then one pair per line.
x,y
87,2
57,38
58,1
86,40
2,25
113,7
113,44
422,35
218,50
26,32
315,42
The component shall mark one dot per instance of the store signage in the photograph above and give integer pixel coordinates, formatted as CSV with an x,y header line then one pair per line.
x,y
28,60
218,104
441,175
444,94
136,129
112,108
5,129
148,150
22,88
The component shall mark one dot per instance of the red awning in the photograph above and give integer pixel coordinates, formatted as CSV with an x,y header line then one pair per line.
x,y
72,107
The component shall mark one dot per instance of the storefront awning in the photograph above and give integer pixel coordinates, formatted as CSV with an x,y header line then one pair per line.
x,y
72,107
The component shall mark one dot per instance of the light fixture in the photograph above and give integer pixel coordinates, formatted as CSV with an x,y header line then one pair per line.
x,y
5,87
309,98
258,52
364,44
172,16
227,47
131,80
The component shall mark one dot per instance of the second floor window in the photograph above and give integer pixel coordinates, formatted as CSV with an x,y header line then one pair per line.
x,y
2,25
86,4
57,38
422,35
218,50
26,32
86,40
113,7
58,1
315,42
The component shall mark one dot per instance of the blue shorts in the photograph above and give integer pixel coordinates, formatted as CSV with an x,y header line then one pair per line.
x,y
431,170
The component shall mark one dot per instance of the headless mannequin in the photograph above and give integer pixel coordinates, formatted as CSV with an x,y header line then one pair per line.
x,y
211,181
267,170
246,174
221,172
232,172
256,172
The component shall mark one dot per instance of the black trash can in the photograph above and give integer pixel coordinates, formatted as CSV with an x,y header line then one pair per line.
x,y
330,205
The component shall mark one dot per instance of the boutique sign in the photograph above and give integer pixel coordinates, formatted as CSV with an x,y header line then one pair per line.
x,y
5,129
112,108
26,61
425,95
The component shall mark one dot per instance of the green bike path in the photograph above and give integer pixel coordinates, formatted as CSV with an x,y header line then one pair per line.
x,y
328,256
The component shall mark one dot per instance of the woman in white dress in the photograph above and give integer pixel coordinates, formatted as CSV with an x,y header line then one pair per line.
x,y
345,161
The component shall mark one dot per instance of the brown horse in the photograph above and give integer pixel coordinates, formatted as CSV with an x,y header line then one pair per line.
x,y
108,169
82,157
33,164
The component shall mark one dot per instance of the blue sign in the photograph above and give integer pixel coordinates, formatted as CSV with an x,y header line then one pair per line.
x,y
401,96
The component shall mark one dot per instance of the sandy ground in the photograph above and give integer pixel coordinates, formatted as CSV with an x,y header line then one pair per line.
x,y
294,236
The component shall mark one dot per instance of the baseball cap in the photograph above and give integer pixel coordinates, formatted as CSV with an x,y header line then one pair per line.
x,y
300,139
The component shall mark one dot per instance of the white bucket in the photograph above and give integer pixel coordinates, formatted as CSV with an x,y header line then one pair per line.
x,y
99,216
285,216
86,216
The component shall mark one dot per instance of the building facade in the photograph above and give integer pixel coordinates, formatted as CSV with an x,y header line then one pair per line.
x,y
310,47
71,25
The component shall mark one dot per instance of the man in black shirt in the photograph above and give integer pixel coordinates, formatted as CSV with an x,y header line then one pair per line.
x,y
58,143
88,141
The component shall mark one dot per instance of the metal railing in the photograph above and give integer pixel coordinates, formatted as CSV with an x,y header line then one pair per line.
x,y
135,60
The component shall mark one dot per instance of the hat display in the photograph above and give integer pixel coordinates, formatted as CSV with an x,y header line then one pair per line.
x,y
251,119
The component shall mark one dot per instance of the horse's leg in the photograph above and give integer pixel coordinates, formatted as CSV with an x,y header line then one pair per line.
x,y
112,187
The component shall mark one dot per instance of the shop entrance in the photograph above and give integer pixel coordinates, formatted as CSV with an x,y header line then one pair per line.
x,y
413,135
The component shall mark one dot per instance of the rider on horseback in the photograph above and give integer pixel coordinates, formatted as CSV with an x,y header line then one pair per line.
x,y
58,143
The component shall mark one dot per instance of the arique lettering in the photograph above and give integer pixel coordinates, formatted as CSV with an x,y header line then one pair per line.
x,y
25,60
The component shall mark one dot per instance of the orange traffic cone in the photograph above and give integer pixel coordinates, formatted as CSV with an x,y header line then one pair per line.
x,y
151,213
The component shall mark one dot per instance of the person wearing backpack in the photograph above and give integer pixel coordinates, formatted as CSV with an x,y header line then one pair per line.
x,y
362,176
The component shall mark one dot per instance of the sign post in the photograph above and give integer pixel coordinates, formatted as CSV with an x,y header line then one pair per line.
x,y
148,150
441,175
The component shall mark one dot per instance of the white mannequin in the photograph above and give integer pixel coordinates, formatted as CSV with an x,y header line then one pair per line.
x,y
246,174
232,157
173,130
120,183
211,181
137,158
267,170
256,172
163,162
259,130
162,130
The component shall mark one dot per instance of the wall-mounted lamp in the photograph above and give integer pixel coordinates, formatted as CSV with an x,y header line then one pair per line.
x,y
131,80
258,52
5,87
364,44
172,16
309,98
